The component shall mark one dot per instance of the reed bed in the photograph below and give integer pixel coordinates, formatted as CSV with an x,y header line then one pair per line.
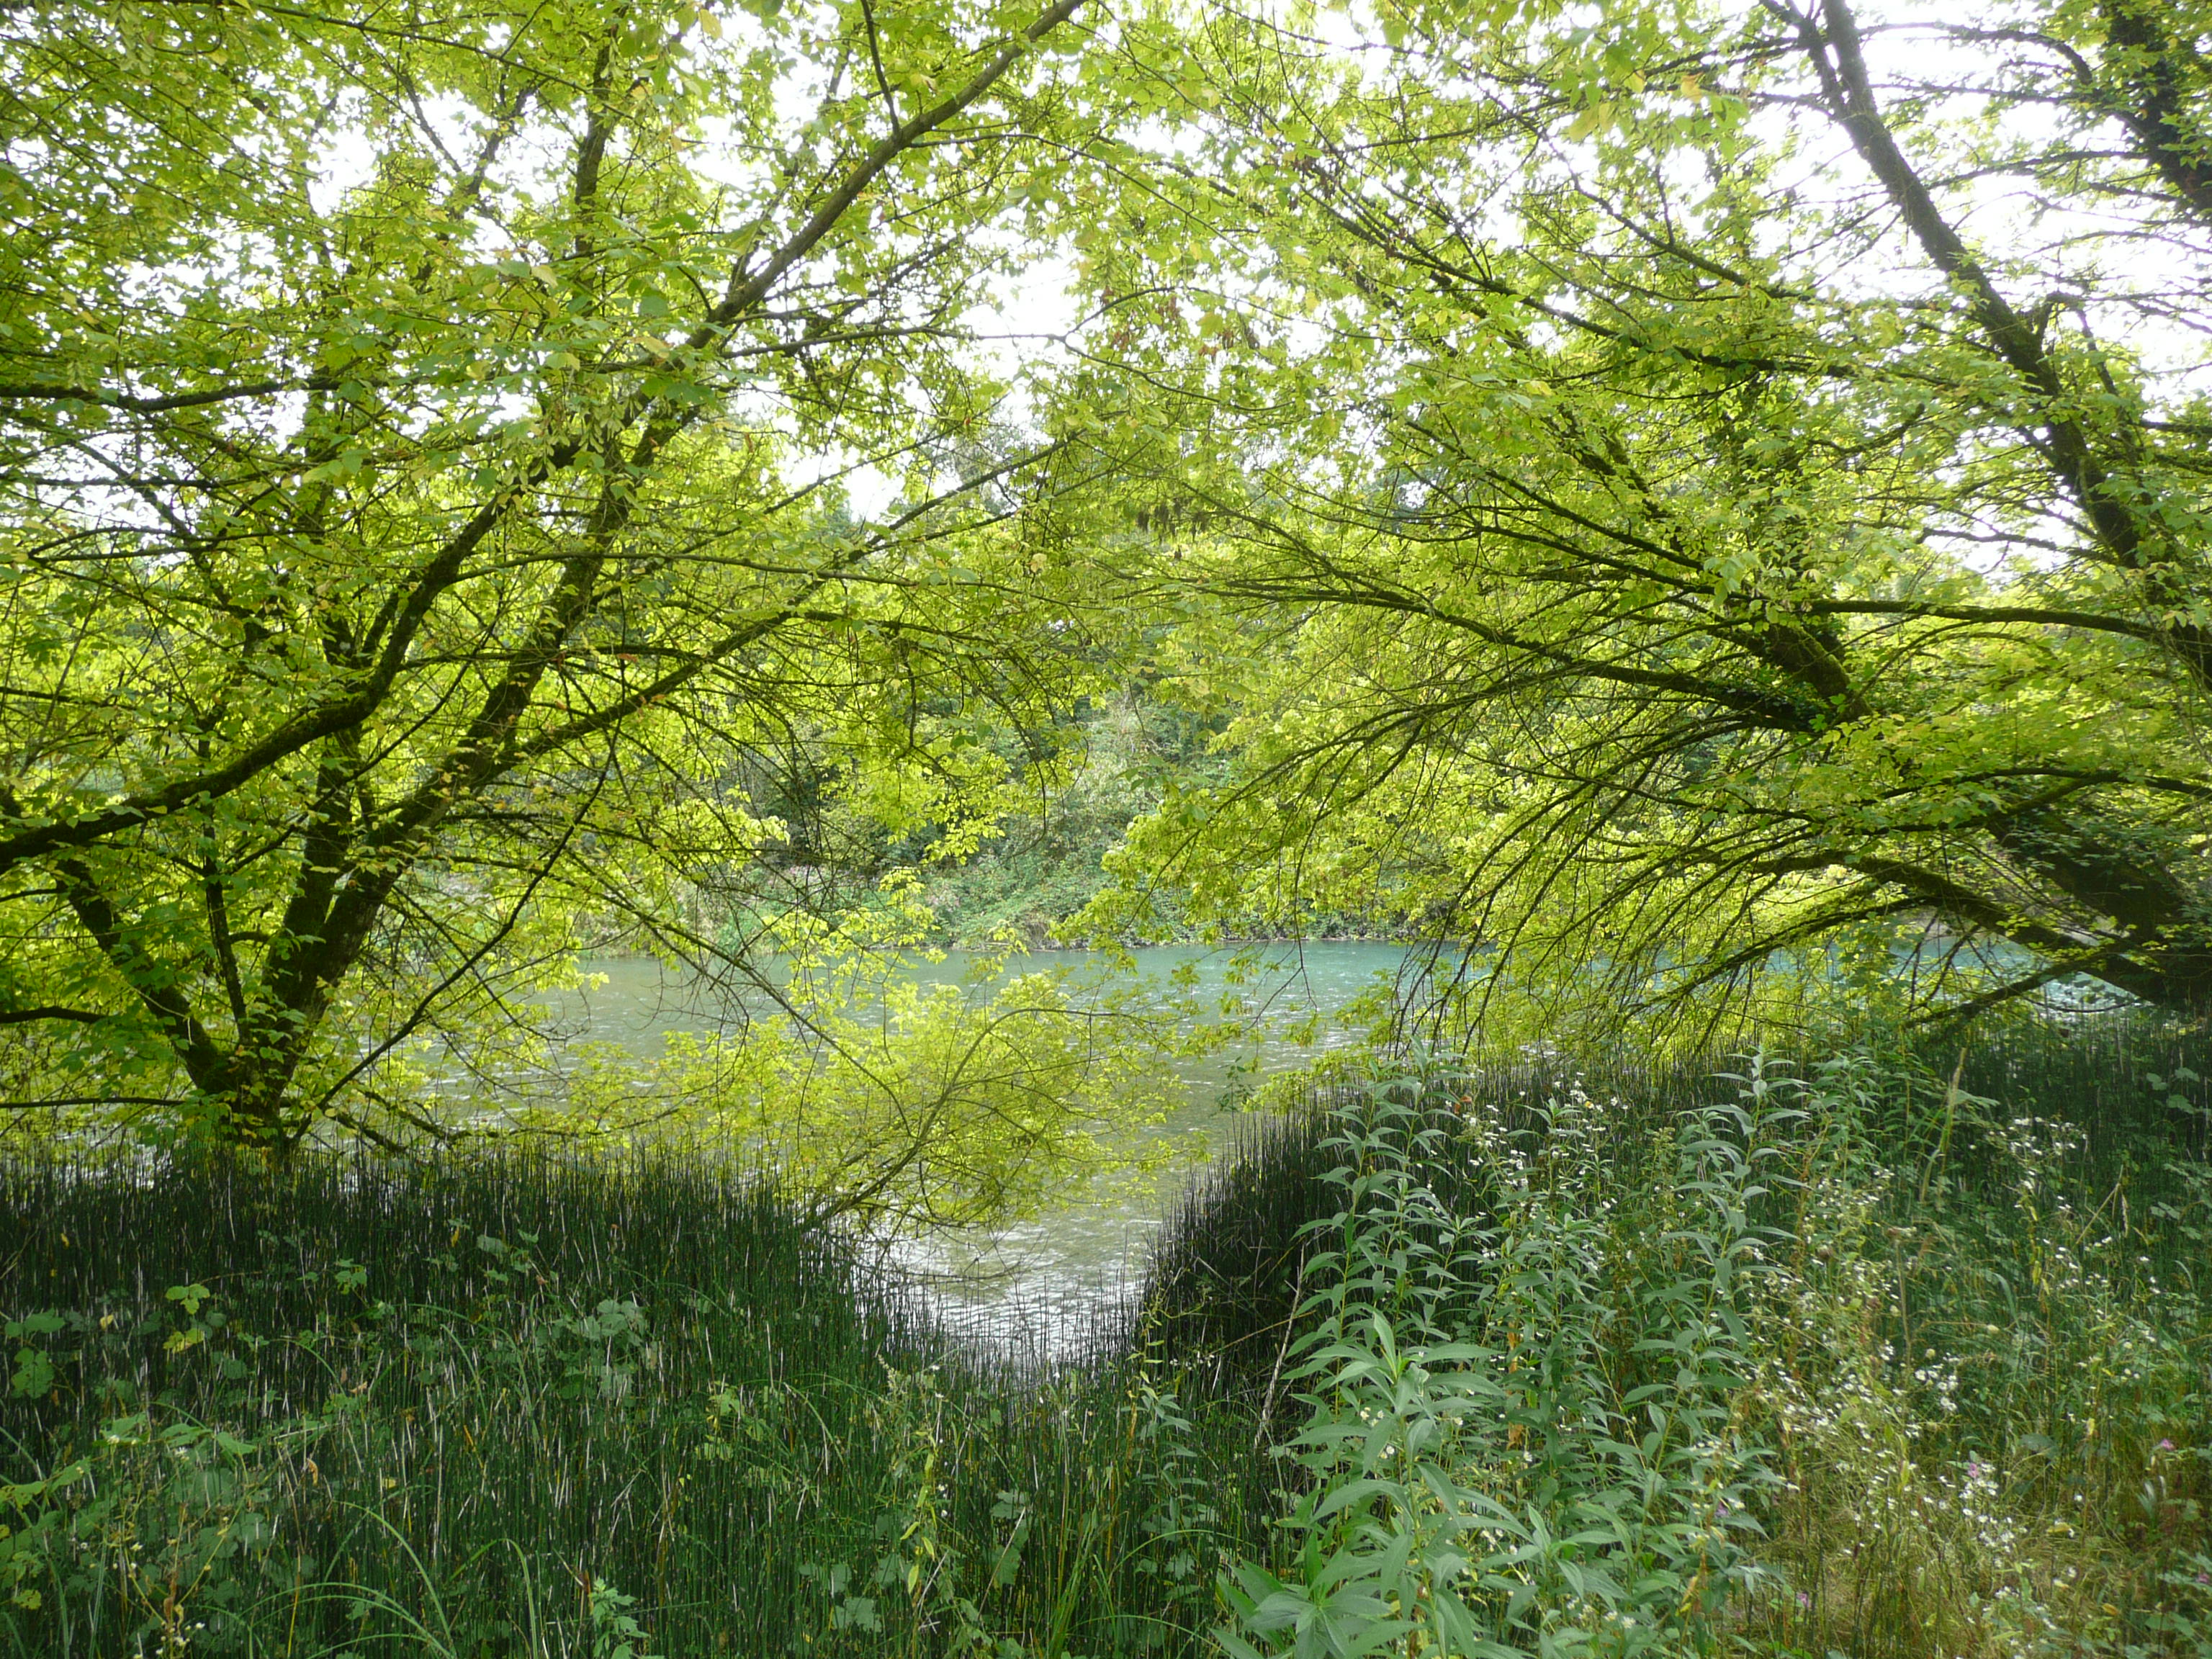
x,y
556,1406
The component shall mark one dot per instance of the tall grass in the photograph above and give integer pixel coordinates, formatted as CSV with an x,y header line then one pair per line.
x,y
2135,1093
1905,1357
556,1408
1228,1266
1857,1363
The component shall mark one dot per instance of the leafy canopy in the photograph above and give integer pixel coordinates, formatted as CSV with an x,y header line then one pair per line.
x,y
424,538
1679,491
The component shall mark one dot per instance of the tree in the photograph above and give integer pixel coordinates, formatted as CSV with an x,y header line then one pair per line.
x,y
1692,492
421,438
902,1101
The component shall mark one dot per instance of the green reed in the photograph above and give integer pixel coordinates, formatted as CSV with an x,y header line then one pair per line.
x,y
556,1406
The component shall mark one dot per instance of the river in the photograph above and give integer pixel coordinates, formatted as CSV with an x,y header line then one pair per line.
x,y
1039,1282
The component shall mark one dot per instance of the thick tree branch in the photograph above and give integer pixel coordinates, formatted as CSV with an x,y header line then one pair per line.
x,y
2073,452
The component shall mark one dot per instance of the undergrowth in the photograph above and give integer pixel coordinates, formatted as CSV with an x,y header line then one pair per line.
x,y
1904,1356
1813,1370
531,1408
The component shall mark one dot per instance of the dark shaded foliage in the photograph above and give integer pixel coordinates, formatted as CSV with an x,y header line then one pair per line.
x,y
1225,1275
355,1406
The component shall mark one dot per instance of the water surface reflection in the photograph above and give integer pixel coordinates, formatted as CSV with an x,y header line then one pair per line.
x,y
1041,1282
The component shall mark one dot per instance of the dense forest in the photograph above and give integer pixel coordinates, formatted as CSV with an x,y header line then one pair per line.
x,y
1691,519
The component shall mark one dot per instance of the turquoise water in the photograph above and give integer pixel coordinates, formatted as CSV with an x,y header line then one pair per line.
x,y
1047,1273
1278,988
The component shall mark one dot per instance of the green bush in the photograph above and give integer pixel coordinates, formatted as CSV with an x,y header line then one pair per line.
x,y
1524,1434
1818,1371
